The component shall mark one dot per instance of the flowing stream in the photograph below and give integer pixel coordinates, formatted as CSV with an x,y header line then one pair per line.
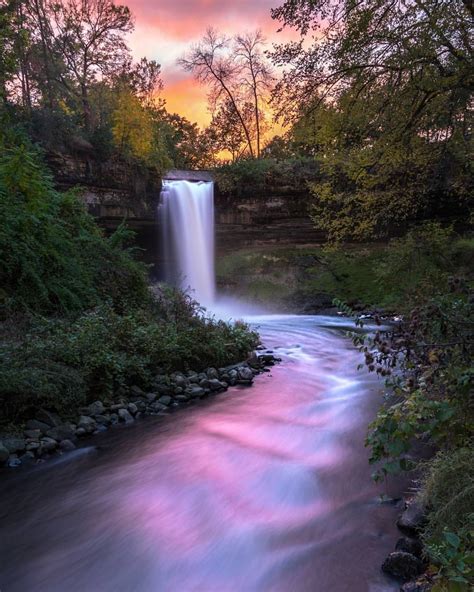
x,y
262,488
259,489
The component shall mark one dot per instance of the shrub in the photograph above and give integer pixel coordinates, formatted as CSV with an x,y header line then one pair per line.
x,y
448,492
53,257
64,363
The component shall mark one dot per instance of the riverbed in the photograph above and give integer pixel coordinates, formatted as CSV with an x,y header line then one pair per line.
x,y
262,488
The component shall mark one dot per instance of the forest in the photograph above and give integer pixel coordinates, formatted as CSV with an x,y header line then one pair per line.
x,y
368,107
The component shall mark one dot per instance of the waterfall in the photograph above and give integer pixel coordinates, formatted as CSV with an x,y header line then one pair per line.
x,y
187,214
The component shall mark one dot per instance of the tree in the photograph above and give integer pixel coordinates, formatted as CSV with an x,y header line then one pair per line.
x,y
255,74
384,94
137,131
227,131
88,35
238,75
8,55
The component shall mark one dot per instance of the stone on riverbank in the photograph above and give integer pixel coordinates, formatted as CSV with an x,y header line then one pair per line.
x,y
125,416
403,566
412,519
4,454
86,423
14,444
34,424
47,433
48,417
409,545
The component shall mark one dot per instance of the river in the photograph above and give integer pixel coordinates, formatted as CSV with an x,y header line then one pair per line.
x,y
260,489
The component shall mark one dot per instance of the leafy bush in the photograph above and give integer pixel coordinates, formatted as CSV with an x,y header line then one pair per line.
x,y
53,257
247,175
426,361
448,492
63,363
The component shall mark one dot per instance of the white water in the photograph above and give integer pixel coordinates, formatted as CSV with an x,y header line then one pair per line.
x,y
188,225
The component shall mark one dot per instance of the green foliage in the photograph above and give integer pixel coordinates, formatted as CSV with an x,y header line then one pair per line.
x,y
63,363
433,349
246,176
390,128
448,492
53,256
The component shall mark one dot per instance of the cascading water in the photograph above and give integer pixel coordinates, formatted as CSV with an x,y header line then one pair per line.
x,y
187,214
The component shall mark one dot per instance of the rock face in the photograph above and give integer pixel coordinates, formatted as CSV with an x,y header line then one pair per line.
x,y
264,216
254,214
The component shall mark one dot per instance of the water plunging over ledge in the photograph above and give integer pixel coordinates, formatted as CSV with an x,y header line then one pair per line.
x,y
187,220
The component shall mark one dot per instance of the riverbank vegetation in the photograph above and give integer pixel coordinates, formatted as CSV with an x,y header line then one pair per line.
x,y
77,317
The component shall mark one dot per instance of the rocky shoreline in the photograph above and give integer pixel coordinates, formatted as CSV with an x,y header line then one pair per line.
x,y
46,434
407,563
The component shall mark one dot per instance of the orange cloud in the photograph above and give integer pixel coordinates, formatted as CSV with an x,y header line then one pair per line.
x,y
188,98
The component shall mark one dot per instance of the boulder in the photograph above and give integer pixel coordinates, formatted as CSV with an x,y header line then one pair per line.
x,y
117,406
27,458
62,432
14,444
67,445
96,408
215,384
180,381
132,408
212,373
244,375
403,566
32,434
409,545
150,397
48,417
86,423
48,444
195,392
4,454
165,400
34,424
13,461
412,519
103,419
164,389
125,416
158,407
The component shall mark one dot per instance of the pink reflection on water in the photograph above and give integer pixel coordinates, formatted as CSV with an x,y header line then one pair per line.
x,y
260,489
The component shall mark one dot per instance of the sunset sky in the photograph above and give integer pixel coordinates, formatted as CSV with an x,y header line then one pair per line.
x,y
164,29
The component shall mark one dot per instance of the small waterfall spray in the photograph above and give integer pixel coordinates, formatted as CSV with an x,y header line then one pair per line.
x,y
187,210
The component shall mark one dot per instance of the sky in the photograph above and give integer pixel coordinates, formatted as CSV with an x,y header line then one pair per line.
x,y
165,29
